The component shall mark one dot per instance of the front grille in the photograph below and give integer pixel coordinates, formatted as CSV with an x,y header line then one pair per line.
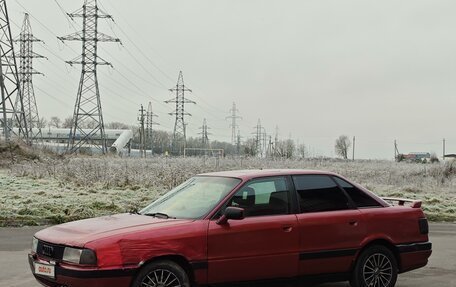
x,y
50,250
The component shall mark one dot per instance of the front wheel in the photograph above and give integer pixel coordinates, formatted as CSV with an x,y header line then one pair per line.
x,y
162,274
375,267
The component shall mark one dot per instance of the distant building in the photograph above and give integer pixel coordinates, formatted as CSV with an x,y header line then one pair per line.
x,y
415,157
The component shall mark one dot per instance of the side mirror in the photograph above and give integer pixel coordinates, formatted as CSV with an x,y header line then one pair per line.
x,y
231,213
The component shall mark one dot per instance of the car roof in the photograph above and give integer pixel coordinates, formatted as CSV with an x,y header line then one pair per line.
x,y
255,173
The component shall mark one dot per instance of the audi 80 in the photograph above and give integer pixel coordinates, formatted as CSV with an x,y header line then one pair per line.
x,y
241,226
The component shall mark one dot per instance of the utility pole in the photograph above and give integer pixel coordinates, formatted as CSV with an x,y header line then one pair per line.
x,y
26,72
264,138
150,128
270,152
179,135
276,141
238,143
87,109
9,82
354,144
142,134
396,151
444,143
233,117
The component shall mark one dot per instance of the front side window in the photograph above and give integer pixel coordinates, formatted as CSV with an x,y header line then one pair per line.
x,y
359,197
260,197
193,199
319,193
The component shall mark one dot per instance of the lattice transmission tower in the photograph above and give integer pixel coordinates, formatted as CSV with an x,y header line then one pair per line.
x,y
258,134
234,117
26,72
150,123
142,133
179,135
88,126
9,83
204,134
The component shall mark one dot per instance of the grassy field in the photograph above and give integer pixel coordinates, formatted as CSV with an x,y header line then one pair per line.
x,y
60,190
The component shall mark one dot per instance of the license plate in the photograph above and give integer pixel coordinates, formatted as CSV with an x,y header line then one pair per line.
x,y
45,270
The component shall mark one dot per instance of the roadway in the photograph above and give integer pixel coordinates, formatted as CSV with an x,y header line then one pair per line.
x,y
440,272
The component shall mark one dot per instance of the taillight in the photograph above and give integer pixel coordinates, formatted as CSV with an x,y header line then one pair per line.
x,y
424,226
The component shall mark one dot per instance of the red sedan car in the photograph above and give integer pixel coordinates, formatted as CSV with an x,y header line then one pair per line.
x,y
241,226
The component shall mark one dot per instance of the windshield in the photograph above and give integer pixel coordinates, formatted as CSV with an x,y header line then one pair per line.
x,y
193,199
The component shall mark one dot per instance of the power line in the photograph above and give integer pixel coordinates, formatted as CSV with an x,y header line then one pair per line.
x,y
136,46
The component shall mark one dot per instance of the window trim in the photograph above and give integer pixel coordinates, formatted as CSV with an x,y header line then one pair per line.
x,y
351,205
291,201
353,202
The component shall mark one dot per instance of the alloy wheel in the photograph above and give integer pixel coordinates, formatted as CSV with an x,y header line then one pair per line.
x,y
160,278
377,271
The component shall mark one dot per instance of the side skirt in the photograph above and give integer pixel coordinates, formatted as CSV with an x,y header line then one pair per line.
x,y
306,281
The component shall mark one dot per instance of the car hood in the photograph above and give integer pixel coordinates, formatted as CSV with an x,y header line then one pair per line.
x,y
79,233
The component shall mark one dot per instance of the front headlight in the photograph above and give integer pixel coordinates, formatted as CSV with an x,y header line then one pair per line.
x,y
79,256
34,245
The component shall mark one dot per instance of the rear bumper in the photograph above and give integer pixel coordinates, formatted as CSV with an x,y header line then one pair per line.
x,y
414,256
83,278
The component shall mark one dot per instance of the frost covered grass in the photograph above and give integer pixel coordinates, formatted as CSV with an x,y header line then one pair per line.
x,y
60,190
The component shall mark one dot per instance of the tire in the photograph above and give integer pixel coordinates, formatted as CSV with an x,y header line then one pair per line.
x,y
163,273
375,267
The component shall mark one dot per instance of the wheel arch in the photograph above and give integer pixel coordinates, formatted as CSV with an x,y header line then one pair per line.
x,y
382,242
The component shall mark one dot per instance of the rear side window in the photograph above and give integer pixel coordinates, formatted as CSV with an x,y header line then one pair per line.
x,y
359,197
319,193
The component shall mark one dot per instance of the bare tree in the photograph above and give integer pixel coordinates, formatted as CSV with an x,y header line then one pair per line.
x,y
342,146
250,147
42,123
55,122
117,126
302,151
67,123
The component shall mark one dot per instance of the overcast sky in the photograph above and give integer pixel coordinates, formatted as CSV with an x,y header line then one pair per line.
x,y
377,70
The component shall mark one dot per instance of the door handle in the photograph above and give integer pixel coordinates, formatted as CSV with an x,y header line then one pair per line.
x,y
353,223
287,228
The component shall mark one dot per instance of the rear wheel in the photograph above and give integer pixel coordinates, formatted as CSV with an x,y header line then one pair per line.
x,y
375,267
162,274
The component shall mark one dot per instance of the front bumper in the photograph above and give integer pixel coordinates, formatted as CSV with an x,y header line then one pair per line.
x,y
74,277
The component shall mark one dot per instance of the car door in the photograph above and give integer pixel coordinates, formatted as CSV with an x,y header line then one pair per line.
x,y
264,244
331,228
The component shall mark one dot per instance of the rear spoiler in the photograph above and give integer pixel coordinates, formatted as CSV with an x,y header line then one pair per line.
x,y
401,201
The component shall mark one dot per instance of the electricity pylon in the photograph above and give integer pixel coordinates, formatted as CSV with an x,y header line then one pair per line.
x,y
258,138
142,134
204,134
26,72
9,82
179,135
234,117
150,115
87,110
